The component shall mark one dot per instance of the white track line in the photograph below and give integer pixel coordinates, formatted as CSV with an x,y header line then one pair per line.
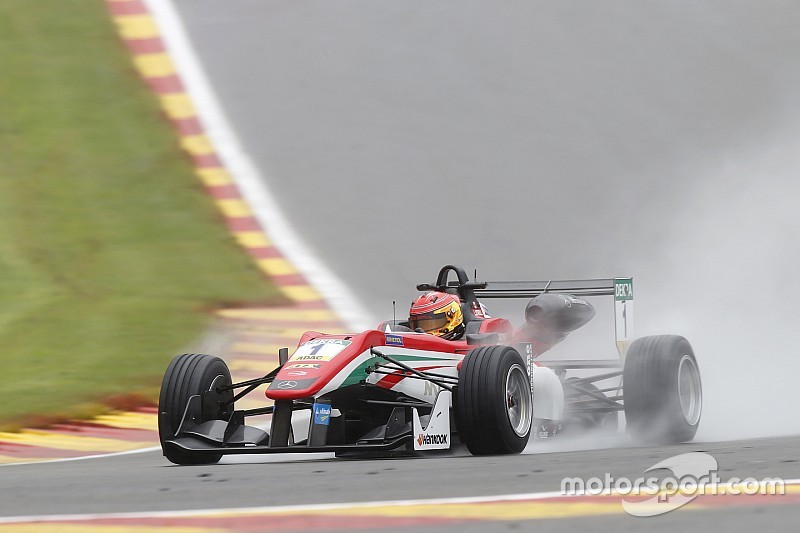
x,y
287,509
296,509
246,174
83,458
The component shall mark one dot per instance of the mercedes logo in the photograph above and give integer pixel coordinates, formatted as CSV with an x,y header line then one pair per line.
x,y
287,384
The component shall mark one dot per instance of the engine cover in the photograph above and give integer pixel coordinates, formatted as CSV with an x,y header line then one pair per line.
x,y
558,313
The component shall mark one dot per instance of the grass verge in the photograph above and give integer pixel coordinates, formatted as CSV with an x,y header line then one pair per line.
x,y
111,254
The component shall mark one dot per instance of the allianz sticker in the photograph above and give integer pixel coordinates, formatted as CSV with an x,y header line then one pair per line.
x,y
303,365
296,373
394,340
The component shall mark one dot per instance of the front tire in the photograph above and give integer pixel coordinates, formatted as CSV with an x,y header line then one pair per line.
x,y
189,375
662,391
492,404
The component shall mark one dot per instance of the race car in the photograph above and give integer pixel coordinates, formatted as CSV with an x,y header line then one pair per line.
x,y
394,389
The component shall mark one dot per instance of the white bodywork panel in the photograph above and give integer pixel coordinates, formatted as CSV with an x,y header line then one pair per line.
x,y
301,423
436,435
437,362
548,394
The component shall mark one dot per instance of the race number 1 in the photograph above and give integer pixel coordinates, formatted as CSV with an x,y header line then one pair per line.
x,y
319,350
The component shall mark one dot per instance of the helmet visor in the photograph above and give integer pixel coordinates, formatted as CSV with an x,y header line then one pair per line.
x,y
428,322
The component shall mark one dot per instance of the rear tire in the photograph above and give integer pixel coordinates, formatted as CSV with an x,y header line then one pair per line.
x,y
492,404
189,375
662,391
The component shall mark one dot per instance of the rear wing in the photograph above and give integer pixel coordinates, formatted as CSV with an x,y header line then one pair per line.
x,y
620,288
529,289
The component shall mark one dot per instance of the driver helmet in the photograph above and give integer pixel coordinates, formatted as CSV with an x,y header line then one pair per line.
x,y
437,313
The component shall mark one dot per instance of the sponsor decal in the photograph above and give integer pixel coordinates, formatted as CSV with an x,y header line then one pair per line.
x,y
623,289
287,385
569,300
436,434
338,342
304,365
479,310
623,312
547,430
426,440
394,340
319,350
528,349
431,389
322,414
296,373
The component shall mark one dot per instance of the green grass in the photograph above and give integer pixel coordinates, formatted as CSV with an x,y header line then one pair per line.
x,y
111,254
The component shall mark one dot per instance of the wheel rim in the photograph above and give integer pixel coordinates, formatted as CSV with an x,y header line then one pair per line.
x,y
518,400
689,390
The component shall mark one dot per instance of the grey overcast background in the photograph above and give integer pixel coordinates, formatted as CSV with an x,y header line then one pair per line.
x,y
536,140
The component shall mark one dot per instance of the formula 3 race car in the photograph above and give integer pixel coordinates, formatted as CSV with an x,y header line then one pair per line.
x,y
394,390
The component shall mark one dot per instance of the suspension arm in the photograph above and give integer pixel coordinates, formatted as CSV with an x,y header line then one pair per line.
x,y
439,382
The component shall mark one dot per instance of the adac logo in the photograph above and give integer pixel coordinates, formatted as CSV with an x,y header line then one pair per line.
x,y
423,439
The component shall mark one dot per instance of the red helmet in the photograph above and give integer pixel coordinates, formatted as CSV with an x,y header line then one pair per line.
x,y
437,313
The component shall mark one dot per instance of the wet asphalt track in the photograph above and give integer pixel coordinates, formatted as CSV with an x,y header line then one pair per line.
x,y
146,482
516,137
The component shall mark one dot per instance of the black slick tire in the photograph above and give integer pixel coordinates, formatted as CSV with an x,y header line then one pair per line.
x,y
483,405
189,375
662,390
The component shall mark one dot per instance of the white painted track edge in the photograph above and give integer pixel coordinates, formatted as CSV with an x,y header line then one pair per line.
x,y
299,509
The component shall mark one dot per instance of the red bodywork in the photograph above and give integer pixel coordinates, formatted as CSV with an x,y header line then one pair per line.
x,y
312,375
